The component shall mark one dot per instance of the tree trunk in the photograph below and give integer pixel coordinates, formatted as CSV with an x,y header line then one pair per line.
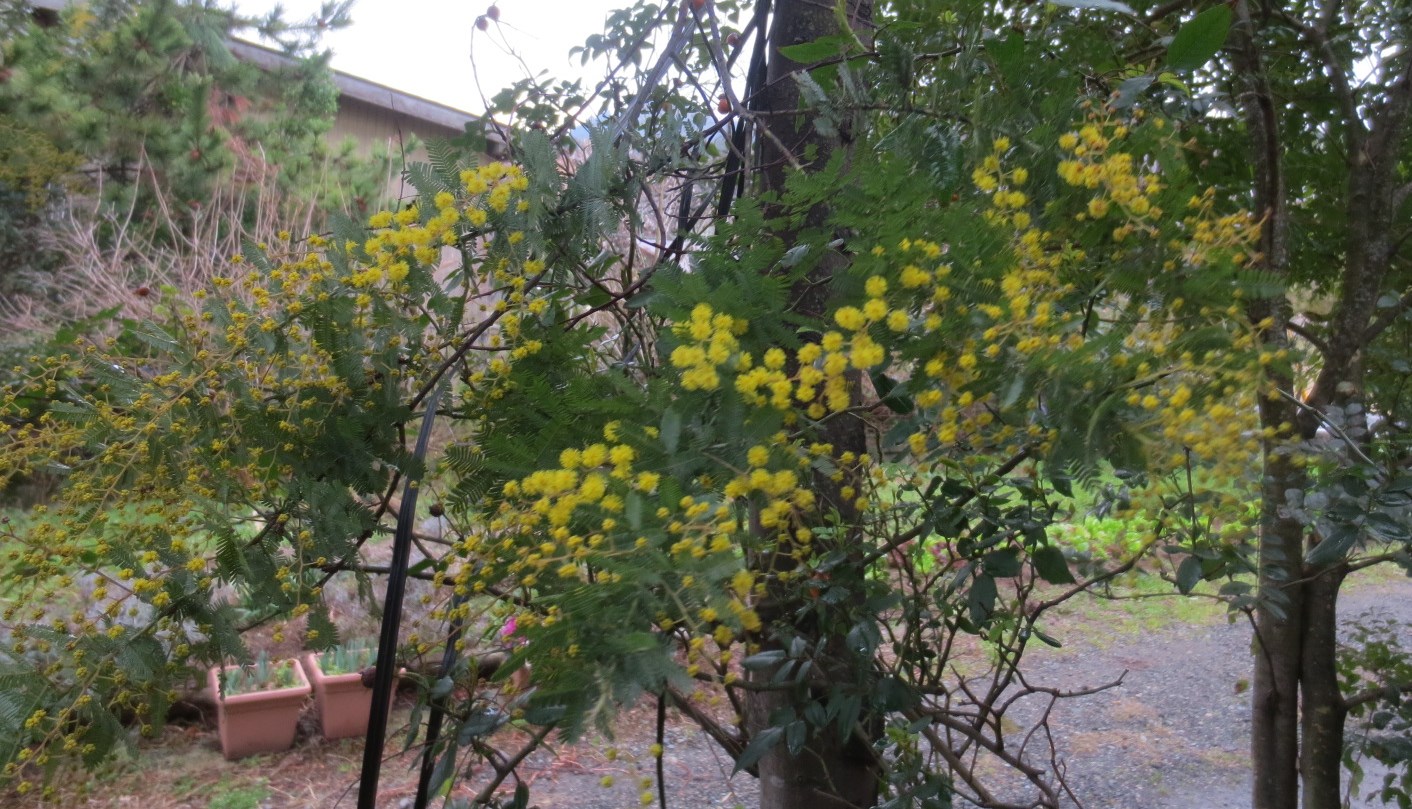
x,y
830,772
1279,624
1279,612
1321,759
1296,616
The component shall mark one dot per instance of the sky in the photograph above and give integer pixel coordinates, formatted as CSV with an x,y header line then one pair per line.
x,y
424,47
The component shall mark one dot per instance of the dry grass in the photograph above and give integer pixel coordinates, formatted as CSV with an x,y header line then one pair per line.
x,y
110,259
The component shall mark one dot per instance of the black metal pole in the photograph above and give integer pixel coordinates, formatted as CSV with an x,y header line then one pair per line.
x,y
392,616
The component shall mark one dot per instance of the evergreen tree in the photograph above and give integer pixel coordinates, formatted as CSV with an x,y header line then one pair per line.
x,y
140,103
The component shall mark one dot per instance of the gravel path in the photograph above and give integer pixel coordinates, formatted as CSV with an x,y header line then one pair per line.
x,y
1175,732
1174,735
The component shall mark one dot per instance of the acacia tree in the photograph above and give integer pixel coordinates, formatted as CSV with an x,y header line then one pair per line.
x,y
772,459
1348,151
1303,120
1319,150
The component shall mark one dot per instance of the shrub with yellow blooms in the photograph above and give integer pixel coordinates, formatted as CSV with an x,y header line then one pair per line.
x,y
633,481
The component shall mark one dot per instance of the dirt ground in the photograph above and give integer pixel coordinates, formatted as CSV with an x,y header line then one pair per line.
x,y
1174,734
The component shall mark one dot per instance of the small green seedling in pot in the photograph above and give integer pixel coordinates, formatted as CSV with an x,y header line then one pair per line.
x,y
262,675
348,658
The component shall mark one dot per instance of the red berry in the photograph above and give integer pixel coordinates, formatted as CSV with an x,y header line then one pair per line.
x,y
482,23
698,4
723,104
493,12
142,291
731,39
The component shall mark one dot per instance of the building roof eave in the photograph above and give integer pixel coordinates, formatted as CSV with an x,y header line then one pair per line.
x,y
370,92
350,86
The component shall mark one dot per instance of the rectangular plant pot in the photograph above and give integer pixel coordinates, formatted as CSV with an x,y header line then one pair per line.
x,y
344,702
258,721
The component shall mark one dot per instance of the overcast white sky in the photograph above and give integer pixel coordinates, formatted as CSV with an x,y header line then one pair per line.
x,y
424,47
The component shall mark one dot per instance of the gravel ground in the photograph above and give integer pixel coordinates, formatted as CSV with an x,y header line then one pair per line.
x,y
1177,726
1175,734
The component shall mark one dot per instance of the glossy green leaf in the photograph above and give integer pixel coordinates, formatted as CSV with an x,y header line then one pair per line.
x,y
822,48
671,430
980,602
1334,546
1199,39
763,743
1188,574
1002,564
1050,564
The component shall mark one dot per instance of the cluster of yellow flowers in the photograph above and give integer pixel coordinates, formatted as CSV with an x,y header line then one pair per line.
x,y
591,518
710,342
1113,174
404,235
498,181
1201,404
1029,321
1213,233
1003,187
222,409
596,514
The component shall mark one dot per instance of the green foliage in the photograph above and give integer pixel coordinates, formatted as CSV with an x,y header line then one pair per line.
x,y
1374,668
140,105
230,795
348,658
1015,295
151,86
1198,40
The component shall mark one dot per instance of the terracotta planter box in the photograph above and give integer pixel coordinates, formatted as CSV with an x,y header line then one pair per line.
x,y
258,721
344,703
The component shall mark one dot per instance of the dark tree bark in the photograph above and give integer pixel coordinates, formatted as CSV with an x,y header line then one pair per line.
x,y
1373,150
1298,711
832,771
1321,756
1279,613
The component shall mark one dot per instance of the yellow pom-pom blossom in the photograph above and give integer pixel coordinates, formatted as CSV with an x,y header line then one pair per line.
x,y
236,399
